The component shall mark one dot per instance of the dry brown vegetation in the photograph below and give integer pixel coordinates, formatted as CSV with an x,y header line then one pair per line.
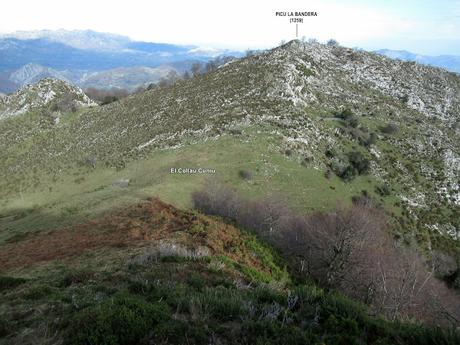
x,y
159,227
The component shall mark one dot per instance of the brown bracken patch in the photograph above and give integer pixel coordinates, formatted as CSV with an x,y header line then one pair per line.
x,y
138,225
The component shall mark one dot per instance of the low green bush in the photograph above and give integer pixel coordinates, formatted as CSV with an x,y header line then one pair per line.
x,y
224,304
4,327
359,162
7,283
122,320
383,190
390,128
245,174
38,292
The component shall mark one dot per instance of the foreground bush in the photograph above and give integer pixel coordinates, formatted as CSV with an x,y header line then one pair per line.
x,y
259,315
123,320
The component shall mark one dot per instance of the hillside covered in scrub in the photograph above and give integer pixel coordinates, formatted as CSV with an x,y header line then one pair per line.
x,y
335,172
151,273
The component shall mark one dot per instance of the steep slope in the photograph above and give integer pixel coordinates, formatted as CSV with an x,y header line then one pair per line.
x,y
298,113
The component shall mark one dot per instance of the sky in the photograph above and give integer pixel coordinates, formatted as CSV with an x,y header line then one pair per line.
x,y
424,27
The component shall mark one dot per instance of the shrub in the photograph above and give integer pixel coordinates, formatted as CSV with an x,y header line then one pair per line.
x,y
91,161
245,174
66,104
383,190
7,283
352,122
343,169
332,43
38,292
338,166
350,119
404,99
196,281
70,277
103,96
123,320
264,294
4,327
307,160
390,128
367,140
224,304
274,332
359,162
331,153
348,173
345,114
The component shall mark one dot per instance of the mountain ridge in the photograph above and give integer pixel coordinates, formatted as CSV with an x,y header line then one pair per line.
x,y
128,78
448,62
301,96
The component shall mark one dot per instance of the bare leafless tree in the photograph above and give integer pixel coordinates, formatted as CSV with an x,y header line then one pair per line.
x,y
349,249
196,69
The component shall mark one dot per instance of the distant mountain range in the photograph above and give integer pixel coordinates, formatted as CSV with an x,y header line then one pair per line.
x,y
93,59
75,56
122,77
448,62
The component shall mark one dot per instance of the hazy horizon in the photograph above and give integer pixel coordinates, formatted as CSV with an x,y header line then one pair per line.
x,y
422,27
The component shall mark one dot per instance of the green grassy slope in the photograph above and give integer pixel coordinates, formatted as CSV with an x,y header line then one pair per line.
x,y
84,192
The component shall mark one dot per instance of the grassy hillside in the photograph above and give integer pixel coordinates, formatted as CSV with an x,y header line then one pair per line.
x,y
86,192
317,105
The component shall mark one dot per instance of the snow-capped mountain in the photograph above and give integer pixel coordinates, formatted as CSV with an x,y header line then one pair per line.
x,y
80,39
28,56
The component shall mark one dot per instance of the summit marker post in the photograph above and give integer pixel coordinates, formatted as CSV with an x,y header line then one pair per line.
x,y
296,17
